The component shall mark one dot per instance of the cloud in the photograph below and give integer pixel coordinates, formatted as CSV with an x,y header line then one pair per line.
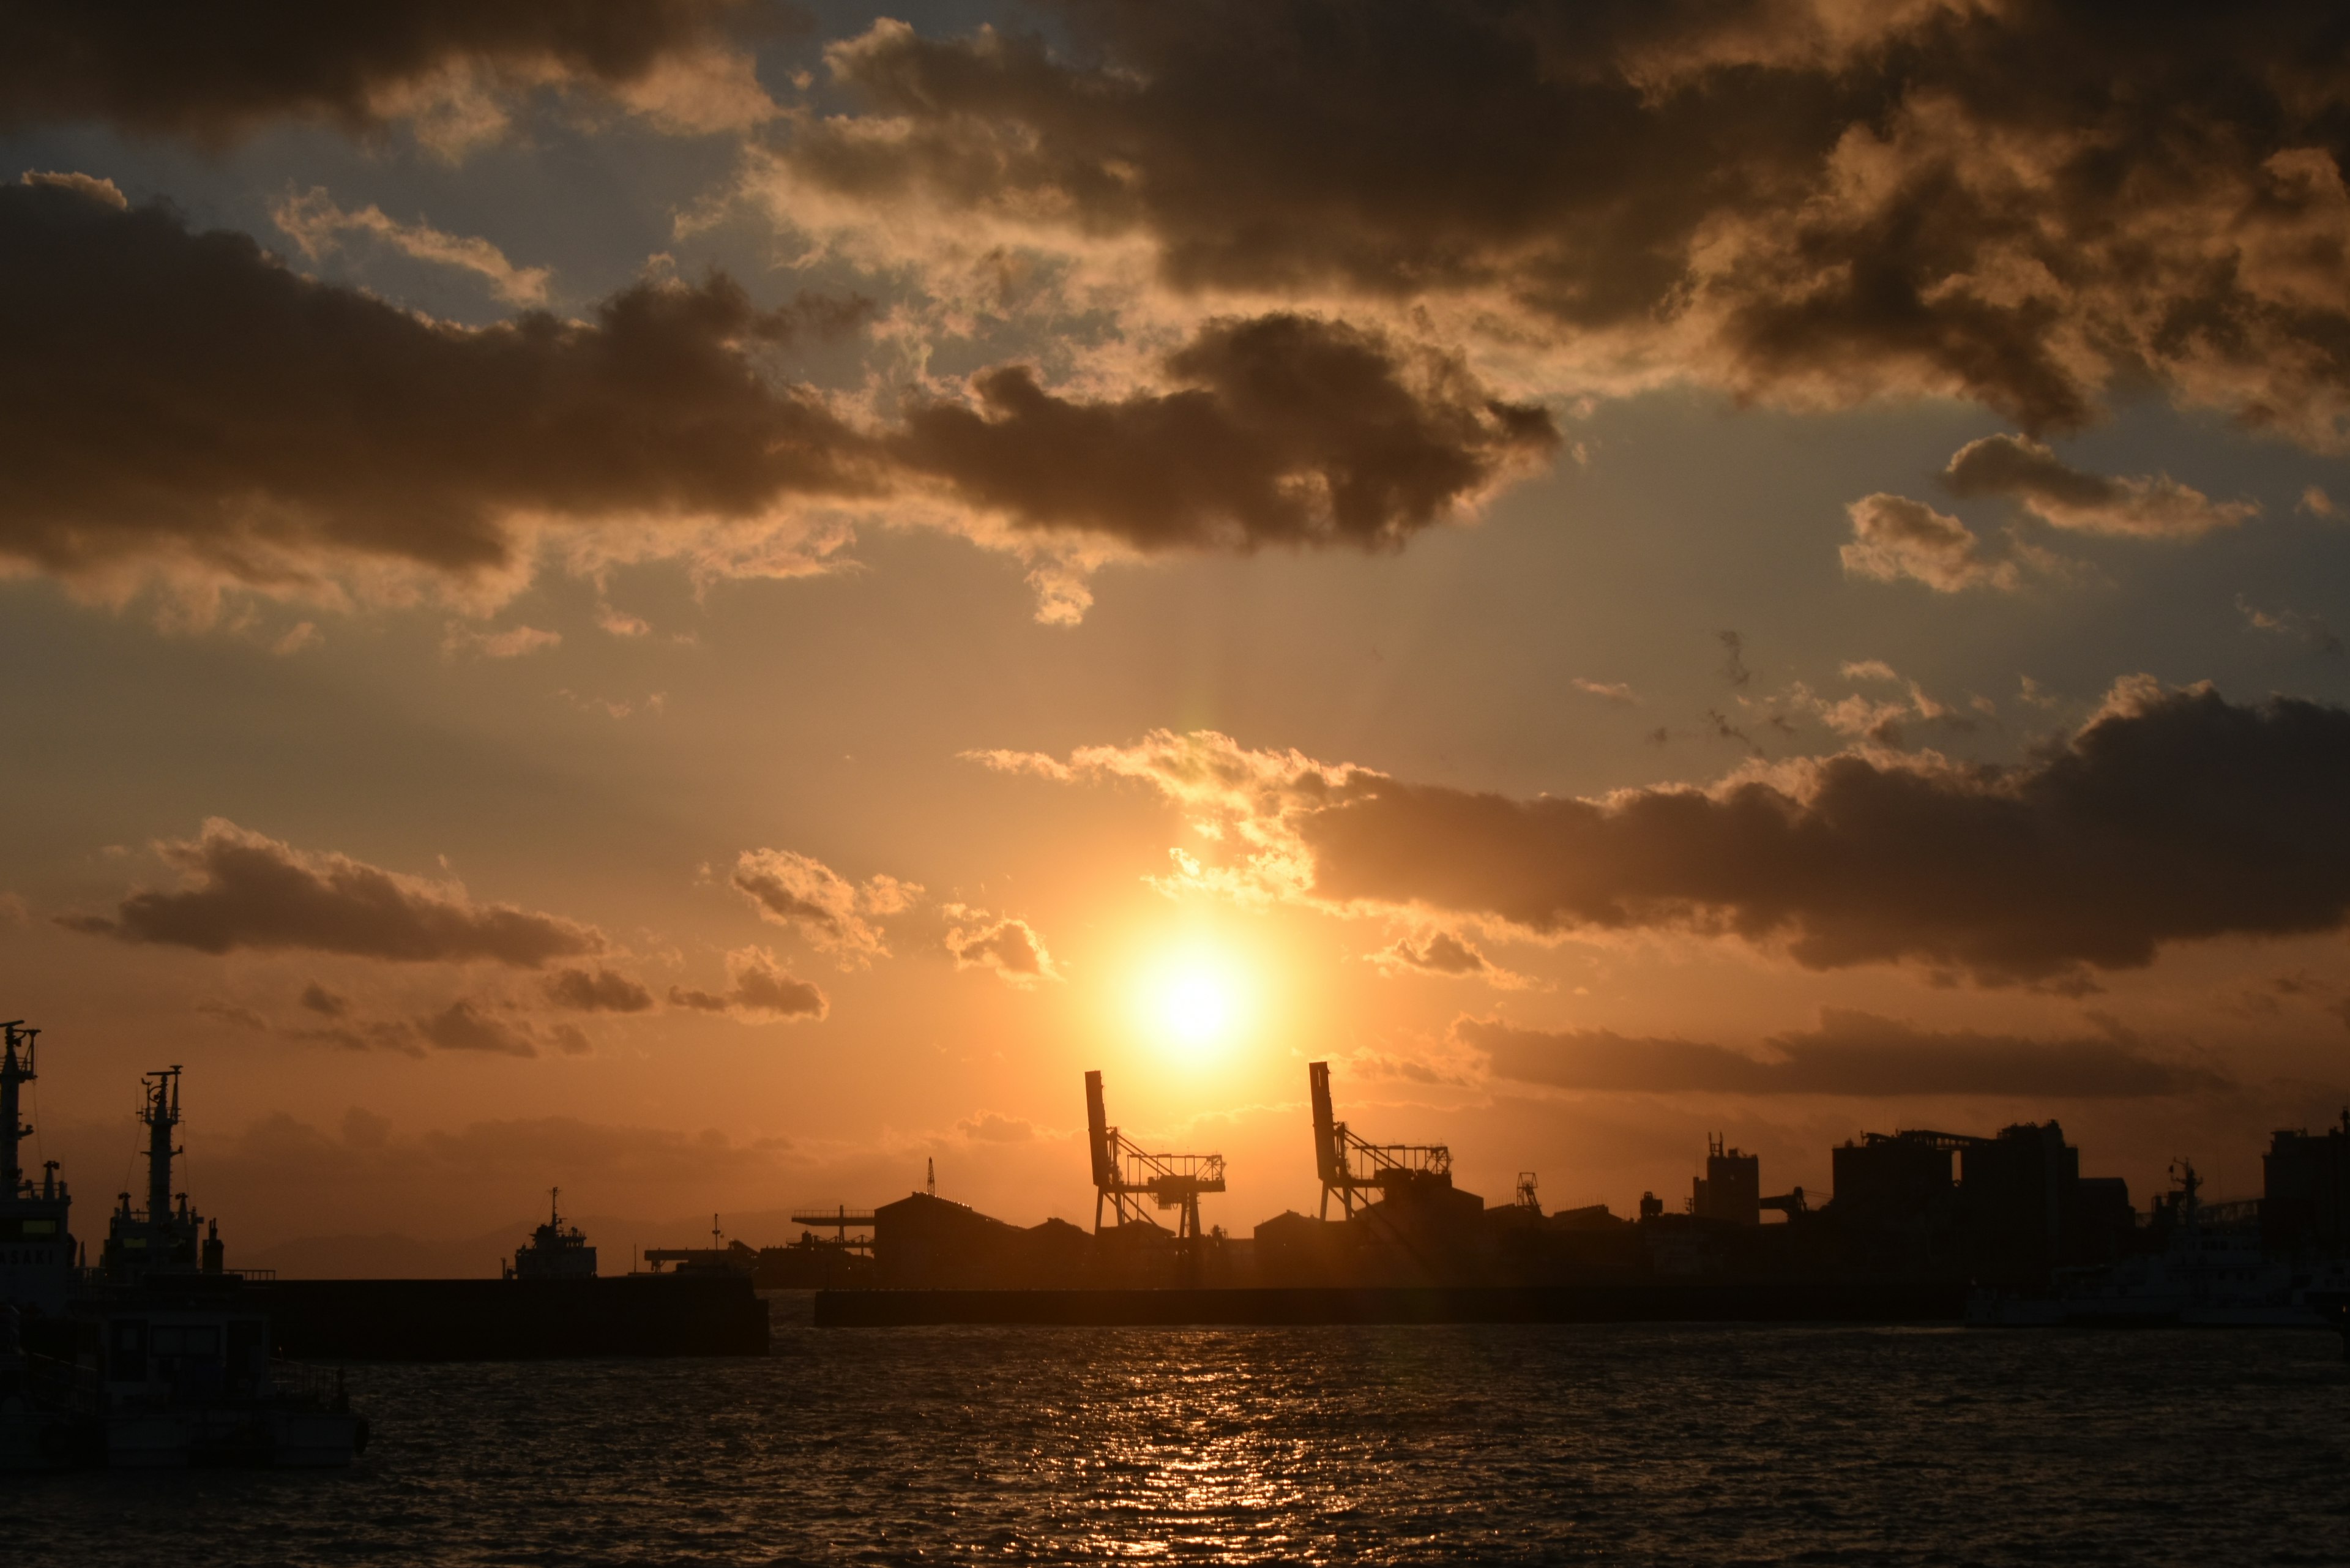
x,y
318,999
513,643
2027,205
468,1025
244,890
991,1126
1895,537
1867,669
2316,503
90,186
2310,630
301,439
1441,953
1850,1054
301,635
2170,816
317,225
1282,428
1010,947
218,75
230,1012
462,1026
759,991
833,914
311,442
1733,659
601,991
1616,692
2157,507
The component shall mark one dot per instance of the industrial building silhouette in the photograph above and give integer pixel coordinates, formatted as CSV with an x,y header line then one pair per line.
x,y
2005,1211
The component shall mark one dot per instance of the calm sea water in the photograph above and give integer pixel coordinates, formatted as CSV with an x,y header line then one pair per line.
x,y
1516,1444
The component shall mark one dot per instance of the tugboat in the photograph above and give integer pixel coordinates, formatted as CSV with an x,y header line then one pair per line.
x,y
160,1357
553,1251
36,1240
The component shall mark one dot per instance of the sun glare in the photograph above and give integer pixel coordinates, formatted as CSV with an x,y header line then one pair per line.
x,y
1195,997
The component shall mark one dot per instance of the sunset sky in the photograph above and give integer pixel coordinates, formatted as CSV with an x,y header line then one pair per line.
x,y
710,602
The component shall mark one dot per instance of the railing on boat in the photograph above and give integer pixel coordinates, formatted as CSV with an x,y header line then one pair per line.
x,y
301,1382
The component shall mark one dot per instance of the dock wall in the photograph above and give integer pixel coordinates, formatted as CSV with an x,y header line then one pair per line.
x,y
1768,1302
514,1320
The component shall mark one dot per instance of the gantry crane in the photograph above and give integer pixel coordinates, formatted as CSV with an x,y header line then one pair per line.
x,y
1125,1174
1348,1166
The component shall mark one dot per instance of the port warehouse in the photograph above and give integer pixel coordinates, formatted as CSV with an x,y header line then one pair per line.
x,y
2006,1212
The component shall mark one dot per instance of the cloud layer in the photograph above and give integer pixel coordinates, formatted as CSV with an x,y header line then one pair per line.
x,y
179,396
1850,1054
244,890
2171,815
180,405
217,74
2023,204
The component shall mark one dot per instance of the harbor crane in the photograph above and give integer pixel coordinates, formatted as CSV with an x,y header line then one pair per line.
x,y
1125,1174
1351,1168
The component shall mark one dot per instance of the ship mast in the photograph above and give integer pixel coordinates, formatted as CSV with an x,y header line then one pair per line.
x,y
15,1069
162,1115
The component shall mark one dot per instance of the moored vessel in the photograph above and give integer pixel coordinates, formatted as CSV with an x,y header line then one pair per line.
x,y
160,1357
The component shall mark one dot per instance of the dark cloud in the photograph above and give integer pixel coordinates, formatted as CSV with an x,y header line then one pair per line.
x,y
2169,816
180,405
2024,204
174,397
244,890
2028,472
1441,953
759,991
324,1003
600,991
462,1026
1853,1053
216,72
1278,429
469,1025
1733,658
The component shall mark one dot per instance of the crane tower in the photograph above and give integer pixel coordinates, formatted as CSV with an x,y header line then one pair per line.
x,y
1124,1175
1350,1167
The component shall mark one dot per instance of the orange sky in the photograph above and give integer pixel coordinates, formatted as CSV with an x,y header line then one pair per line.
x,y
713,611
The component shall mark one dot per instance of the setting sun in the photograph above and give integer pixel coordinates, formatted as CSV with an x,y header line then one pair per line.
x,y
1195,997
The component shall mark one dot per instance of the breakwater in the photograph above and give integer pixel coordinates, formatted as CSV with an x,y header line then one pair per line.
x,y
513,1320
1761,1302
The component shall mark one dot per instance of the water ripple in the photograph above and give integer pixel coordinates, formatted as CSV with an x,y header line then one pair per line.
x,y
1493,1444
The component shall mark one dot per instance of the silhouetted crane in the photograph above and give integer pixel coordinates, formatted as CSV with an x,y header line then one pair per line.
x,y
1125,1174
1348,1166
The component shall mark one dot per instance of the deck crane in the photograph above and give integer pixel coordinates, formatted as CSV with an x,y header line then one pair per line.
x,y
1348,1166
1124,1175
